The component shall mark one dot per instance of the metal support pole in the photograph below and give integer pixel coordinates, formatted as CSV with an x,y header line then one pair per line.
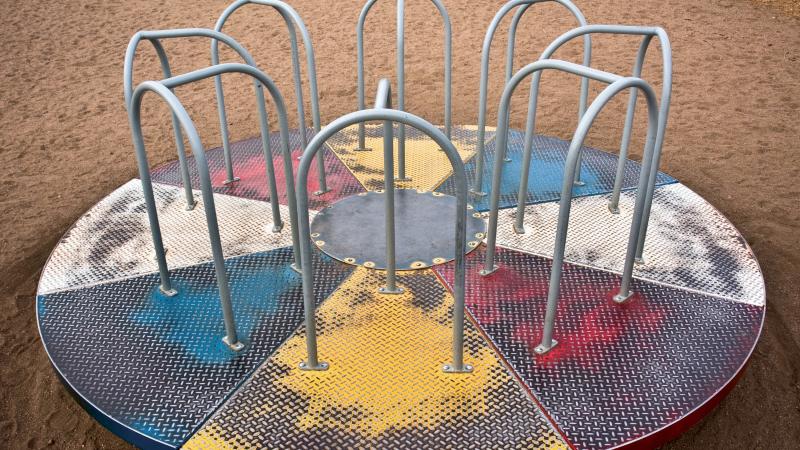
x,y
182,163
383,99
134,116
477,186
613,205
277,223
360,69
401,90
388,168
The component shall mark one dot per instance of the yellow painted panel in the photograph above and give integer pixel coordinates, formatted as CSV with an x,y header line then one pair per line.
x,y
426,164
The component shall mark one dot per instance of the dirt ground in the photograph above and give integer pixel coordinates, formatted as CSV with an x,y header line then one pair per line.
x,y
65,143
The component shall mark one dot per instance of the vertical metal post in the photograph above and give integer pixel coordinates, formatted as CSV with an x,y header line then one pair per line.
x,y
360,69
401,85
150,203
663,113
527,155
223,130
448,68
277,223
383,100
388,183
613,204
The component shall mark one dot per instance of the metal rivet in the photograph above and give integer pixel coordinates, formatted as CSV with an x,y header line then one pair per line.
x,y
476,215
418,265
470,207
319,243
437,194
350,260
314,235
369,264
439,260
480,235
472,243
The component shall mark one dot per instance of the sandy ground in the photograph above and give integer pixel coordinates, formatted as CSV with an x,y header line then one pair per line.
x,y
65,143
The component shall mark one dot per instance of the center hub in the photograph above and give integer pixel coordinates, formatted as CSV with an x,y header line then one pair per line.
x,y
353,230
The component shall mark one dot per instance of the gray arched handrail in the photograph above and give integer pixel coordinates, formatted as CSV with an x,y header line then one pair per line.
x,y
401,74
484,83
666,92
164,89
616,85
154,37
292,20
460,177
283,125
182,119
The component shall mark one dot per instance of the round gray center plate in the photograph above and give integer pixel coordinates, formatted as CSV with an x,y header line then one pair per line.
x,y
353,230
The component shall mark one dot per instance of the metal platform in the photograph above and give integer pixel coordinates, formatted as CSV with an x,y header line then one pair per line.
x,y
353,230
154,370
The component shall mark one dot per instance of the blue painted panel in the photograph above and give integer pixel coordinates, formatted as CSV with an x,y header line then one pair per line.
x,y
547,172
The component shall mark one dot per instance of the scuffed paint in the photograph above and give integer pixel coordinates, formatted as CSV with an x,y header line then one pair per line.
x,y
385,387
690,245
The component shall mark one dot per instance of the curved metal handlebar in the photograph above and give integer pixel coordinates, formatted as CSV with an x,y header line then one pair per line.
x,y
460,177
484,83
648,33
616,85
154,37
292,20
182,118
283,124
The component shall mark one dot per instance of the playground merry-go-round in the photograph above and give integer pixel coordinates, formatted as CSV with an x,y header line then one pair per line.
x,y
383,282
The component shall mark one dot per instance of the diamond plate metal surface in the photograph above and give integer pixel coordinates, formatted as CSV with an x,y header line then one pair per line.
x,y
619,372
426,164
385,387
547,172
112,240
248,164
689,243
157,364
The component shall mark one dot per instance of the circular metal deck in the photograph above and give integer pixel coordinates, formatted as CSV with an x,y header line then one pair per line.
x,y
153,368
353,229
